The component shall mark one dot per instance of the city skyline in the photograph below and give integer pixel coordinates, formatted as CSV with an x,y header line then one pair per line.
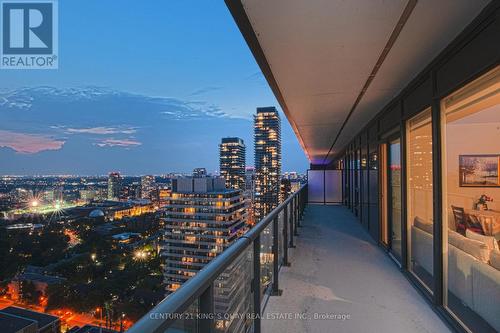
x,y
109,108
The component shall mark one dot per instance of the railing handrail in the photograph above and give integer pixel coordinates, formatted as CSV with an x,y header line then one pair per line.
x,y
179,301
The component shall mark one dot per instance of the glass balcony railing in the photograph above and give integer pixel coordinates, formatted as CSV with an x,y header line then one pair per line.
x,y
222,297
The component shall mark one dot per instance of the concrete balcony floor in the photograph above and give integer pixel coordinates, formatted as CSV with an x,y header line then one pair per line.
x,y
338,269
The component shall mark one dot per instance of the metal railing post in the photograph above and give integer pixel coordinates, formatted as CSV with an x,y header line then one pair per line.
x,y
295,216
256,284
285,237
306,196
276,258
290,222
299,208
303,203
206,322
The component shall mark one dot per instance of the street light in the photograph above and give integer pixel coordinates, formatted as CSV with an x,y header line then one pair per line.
x,y
100,312
121,322
140,255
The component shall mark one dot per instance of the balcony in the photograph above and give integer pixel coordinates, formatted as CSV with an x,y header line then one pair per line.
x,y
329,276
340,274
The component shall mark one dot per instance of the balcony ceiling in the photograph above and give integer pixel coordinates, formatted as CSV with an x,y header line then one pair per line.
x,y
317,55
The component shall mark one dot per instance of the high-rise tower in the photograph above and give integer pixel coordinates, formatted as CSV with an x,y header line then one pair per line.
x,y
114,186
232,162
202,219
199,172
147,186
267,136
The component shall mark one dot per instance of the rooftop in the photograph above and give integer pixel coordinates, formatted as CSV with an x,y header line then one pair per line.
x,y
91,329
232,140
267,109
49,279
125,235
42,319
14,324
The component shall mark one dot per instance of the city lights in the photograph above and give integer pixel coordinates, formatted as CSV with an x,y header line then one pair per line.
x,y
140,255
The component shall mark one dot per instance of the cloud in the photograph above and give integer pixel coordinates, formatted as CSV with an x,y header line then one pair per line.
x,y
204,90
125,143
99,130
28,143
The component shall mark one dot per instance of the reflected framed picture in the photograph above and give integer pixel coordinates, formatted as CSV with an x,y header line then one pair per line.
x,y
479,170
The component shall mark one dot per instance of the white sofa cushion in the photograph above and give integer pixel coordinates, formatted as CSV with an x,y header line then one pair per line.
x,y
495,259
421,249
486,293
490,241
477,249
422,225
460,274
454,238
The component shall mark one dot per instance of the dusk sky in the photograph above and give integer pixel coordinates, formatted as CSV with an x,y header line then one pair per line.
x,y
142,87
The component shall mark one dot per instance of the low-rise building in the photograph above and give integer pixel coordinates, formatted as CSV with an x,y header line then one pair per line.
x,y
40,322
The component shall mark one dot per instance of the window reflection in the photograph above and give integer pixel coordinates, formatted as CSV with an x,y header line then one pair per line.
x,y
471,158
420,198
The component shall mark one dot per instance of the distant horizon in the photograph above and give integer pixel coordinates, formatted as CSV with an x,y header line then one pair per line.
x,y
185,173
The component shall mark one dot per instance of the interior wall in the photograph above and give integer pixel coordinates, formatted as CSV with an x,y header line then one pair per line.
x,y
470,139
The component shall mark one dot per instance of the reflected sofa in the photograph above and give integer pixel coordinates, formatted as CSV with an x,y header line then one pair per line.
x,y
475,283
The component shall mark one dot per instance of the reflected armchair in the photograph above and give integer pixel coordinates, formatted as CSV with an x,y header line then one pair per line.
x,y
460,218
472,223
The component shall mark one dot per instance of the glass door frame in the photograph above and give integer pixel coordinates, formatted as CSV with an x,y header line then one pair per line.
x,y
386,201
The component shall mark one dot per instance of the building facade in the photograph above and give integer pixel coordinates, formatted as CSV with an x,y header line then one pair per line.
x,y
115,184
199,172
232,154
285,188
203,218
148,186
267,136
250,181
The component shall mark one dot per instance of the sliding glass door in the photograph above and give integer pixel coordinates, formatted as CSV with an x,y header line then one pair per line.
x,y
470,131
419,198
394,200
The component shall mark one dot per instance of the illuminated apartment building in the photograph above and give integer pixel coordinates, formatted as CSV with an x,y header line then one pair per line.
x,y
199,172
250,182
267,136
202,219
232,162
285,188
114,185
147,186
